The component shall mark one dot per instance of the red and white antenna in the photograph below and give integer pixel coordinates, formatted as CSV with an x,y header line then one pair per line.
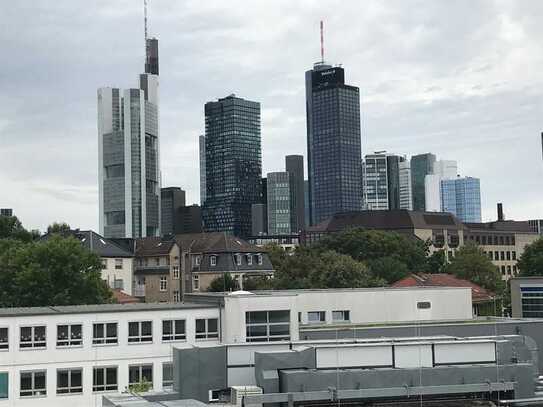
x,y
322,42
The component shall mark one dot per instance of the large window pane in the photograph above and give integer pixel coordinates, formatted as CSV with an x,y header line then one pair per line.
x,y
279,316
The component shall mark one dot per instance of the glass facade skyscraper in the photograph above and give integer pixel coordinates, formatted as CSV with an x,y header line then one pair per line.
x,y
279,204
421,165
462,197
294,164
233,165
333,143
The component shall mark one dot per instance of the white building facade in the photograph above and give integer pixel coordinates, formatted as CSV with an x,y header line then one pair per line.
x,y
443,170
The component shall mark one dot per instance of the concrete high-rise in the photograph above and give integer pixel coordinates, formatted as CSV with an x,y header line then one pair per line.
x,y
233,165
443,170
333,143
375,182
172,199
129,155
406,194
279,205
294,165
462,197
202,151
421,166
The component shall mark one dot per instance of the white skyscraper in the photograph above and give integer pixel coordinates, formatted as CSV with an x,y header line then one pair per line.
x,y
129,155
406,192
443,170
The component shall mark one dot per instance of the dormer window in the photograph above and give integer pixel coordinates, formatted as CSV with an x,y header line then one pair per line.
x,y
213,260
249,259
238,259
259,259
197,260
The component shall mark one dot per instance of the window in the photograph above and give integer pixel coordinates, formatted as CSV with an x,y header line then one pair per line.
x,y
33,384
508,255
266,326
207,328
339,316
118,264
514,255
163,283
33,337
141,331
173,330
259,259
503,270
4,385
424,305
316,316
104,378
250,259
118,284
4,341
496,255
514,269
502,255
197,260
176,296
509,270
167,376
238,259
104,333
196,283
69,381
69,335
213,260
104,264
140,373
175,272
490,255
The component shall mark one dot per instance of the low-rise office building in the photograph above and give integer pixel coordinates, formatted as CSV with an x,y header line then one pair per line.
x,y
527,297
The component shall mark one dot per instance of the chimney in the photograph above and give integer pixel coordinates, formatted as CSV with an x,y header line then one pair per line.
x,y
500,212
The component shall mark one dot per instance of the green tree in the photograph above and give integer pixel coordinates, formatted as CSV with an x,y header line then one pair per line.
x,y
56,271
531,261
11,228
60,228
389,269
223,283
471,264
436,261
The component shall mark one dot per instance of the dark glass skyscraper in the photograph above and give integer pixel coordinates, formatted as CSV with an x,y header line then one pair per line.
x,y
233,165
333,143
421,166
294,164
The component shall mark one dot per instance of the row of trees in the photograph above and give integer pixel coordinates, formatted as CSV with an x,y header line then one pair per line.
x,y
46,272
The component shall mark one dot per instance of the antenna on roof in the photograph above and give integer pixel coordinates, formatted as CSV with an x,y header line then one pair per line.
x,y
322,41
145,20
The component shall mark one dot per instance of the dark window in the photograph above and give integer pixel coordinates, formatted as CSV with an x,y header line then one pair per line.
x,y
207,328
141,331
69,381
4,343
69,335
424,305
139,374
104,379
104,333
514,255
33,337
4,385
265,326
173,330
340,316
167,375
33,384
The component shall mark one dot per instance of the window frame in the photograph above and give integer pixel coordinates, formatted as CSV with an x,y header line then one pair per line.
x,y
320,321
105,337
167,384
6,373
175,337
33,384
195,282
4,346
213,260
163,284
33,342
106,386
117,266
206,335
269,337
140,370
140,338
69,341
175,272
71,389
344,313
249,259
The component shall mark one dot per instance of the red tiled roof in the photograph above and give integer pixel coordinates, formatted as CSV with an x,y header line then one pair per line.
x,y
478,294
124,298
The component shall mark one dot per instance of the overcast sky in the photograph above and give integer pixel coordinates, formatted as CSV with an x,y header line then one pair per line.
x,y
461,79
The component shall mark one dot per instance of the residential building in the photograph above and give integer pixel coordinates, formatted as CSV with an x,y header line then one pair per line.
x,y
202,151
6,212
527,297
406,191
75,355
279,203
157,271
172,199
117,261
207,256
288,243
443,170
294,165
129,155
484,301
462,197
502,241
233,165
333,143
375,182
421,166
259,219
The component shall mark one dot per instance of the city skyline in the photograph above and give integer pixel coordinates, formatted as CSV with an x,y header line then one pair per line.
x,y
466,103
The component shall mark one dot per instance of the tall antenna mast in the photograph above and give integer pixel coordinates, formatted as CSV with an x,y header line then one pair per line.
x,y
145,19
322,42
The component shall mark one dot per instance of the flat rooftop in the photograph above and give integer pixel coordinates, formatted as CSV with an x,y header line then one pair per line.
x,y
98,308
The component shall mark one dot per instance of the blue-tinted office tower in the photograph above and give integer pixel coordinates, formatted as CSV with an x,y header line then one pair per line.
x,y
462,197
233,165
333,143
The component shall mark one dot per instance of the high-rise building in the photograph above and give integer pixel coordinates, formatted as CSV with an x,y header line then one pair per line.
x,y
375,182
294,165
421,166
172,199
190,219
462,197
202,150
406,194
443,169
279,205
259,219
129,155
6,212
233,165
333,143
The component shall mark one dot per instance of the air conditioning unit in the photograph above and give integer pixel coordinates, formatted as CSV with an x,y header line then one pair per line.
x,y
237,393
